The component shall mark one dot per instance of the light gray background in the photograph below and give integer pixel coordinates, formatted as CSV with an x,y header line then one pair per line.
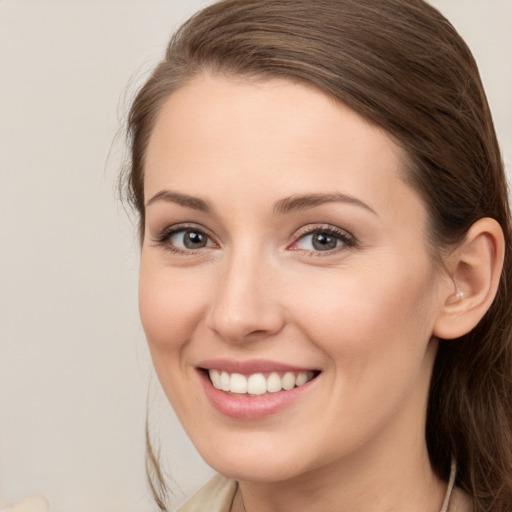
x,y
74,369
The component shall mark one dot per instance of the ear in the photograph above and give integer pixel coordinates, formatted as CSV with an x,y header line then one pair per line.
x,y
474,270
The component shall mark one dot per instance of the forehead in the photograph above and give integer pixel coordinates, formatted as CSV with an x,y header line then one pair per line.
x,y
268,138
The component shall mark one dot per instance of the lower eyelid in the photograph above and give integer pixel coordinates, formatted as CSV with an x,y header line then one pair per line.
x,y
163,238
342,236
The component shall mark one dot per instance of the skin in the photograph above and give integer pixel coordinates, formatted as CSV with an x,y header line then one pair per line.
x,y
363,313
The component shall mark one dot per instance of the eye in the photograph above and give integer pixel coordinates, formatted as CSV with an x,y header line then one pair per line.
x,y
323,240
189,239
318,242
184,239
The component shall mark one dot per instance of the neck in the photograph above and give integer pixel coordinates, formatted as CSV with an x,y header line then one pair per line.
x,y
392,484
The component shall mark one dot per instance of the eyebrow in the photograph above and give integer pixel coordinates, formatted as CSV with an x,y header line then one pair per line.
x,y
296,202
282,206
182,199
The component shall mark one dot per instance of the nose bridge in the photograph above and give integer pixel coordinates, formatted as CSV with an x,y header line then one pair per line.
x,y
245,306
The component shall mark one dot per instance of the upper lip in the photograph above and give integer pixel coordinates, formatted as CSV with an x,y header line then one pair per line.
x,y
249,367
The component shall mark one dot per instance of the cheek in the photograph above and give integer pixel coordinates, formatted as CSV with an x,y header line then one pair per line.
x,y
170,309
170,306
375,332
357,317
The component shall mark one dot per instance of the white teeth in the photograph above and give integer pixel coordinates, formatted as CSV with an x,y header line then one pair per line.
x,y
238,383
302,378
288,381
215,378
257,384
273,383
225,381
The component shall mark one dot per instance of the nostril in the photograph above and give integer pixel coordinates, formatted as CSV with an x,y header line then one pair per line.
x,y
240,330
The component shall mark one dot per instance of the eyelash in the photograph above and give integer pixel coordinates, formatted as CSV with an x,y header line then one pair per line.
x,y
347,240
162,239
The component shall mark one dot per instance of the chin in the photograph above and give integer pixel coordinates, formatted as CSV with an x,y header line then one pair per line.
x,y
254,463
257,471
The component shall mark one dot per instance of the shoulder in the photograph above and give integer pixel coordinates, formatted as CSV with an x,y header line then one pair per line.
x,y
34,503
460,501
215,496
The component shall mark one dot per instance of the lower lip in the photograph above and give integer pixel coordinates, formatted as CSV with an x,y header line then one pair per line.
x,y
251,408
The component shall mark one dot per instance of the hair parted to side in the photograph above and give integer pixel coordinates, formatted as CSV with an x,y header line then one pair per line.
x,y
402,66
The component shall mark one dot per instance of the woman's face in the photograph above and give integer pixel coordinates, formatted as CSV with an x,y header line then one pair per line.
x,y
285,259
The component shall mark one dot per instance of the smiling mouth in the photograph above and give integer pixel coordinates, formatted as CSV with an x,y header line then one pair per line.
x,y
257,384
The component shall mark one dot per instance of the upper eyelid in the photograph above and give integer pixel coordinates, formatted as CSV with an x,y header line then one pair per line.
x,y
165,233
349,240
183,226
316,228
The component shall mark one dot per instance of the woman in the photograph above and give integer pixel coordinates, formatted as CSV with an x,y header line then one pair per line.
x,y
325,266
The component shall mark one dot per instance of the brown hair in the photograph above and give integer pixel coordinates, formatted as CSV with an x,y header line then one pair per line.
x,y
402,66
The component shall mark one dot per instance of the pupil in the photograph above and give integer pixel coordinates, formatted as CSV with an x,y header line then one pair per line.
x,y
194,240
323,242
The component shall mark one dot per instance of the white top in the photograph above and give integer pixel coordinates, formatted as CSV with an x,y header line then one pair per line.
x,y
220,495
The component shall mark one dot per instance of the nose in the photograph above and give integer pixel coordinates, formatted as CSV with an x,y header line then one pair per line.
x,y
245,306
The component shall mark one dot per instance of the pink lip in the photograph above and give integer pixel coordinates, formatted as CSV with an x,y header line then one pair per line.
x,y
251,408
249,367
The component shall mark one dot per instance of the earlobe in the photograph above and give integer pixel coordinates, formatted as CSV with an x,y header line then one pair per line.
x,y
474,269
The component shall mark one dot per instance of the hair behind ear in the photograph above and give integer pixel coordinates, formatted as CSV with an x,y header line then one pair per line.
x,y
469,413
